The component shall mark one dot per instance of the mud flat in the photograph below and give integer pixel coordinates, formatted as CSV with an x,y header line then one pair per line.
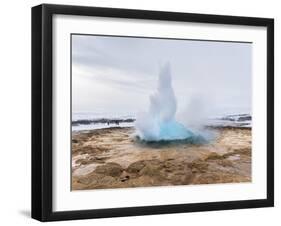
x,y
113,158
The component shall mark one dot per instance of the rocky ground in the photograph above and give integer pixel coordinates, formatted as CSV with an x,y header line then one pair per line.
x,y
113,158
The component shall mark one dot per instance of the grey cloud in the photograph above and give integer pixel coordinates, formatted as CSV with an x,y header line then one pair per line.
x,y
220,69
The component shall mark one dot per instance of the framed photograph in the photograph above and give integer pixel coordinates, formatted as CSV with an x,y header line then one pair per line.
x,y
140,112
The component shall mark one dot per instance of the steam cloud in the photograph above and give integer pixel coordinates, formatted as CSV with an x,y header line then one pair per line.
x,y
159,123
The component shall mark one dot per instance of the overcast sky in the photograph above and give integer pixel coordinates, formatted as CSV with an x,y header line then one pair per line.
x,y
111,74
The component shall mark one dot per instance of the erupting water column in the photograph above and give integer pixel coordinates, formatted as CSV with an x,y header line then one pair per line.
x,y
159,124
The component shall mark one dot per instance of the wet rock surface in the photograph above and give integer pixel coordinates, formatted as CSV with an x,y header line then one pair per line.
x,y
112,158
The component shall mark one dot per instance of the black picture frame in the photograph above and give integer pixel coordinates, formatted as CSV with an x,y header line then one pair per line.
x,y
42,107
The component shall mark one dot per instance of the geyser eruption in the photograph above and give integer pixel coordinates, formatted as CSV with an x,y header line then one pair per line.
x,y
159,124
